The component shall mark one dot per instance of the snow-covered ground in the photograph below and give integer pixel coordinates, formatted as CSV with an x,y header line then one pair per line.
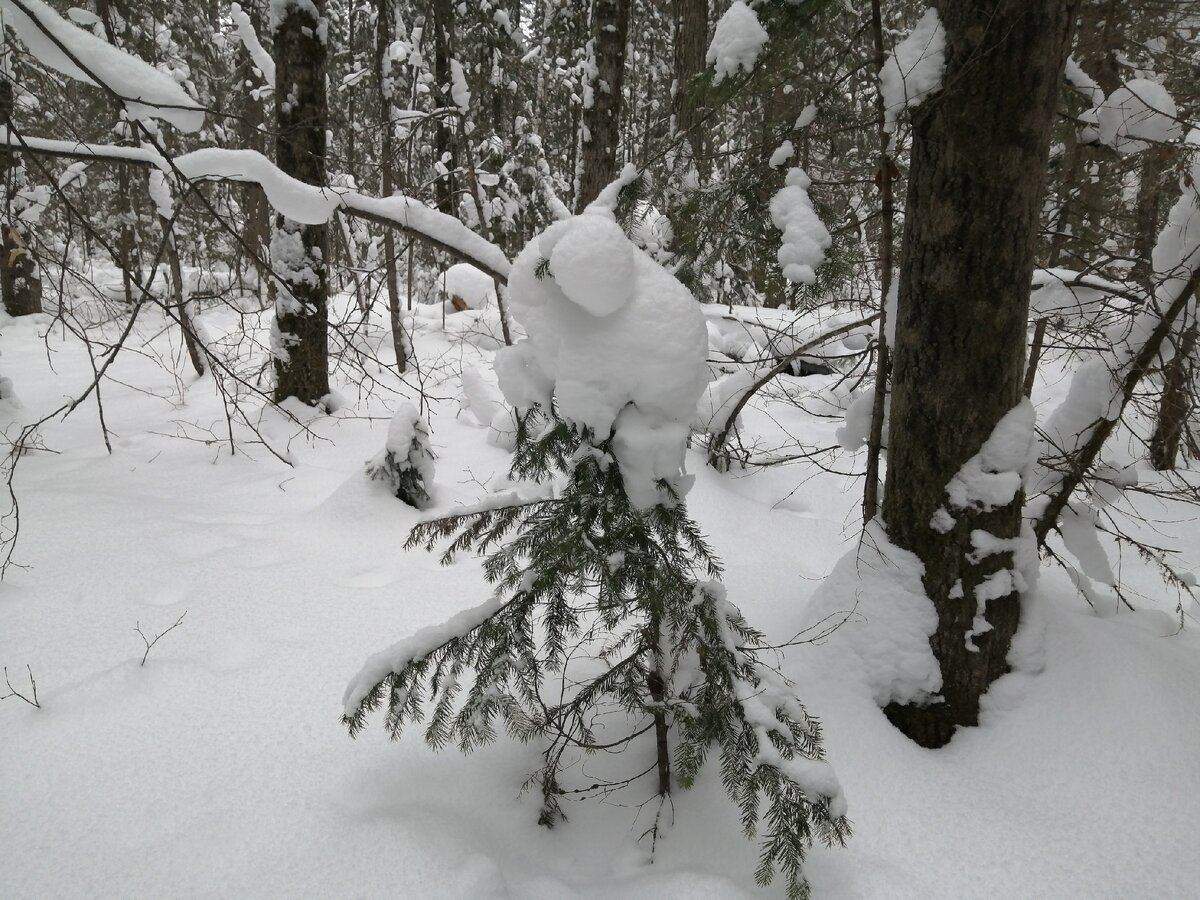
x,y
221,769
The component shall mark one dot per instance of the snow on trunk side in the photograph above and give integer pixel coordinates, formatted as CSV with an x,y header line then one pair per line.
x,y
615,345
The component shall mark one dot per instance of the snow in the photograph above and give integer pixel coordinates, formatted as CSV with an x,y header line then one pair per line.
x,y
475,288
877,599
719,400
607,327
993,476
805,237
480,396
249,38
224,752
1095,394
737,41
1083,82
1138,113
422,643
1077,525
782,154
592,263
857,428
913,70
298,201
147,93
459,92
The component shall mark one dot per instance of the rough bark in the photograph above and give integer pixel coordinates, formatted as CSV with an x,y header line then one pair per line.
x,y
300,253
1175,405
601,120
976,182
691,44
20,280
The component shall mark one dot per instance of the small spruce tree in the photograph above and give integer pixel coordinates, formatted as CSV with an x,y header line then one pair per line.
x,y
607,627
406,463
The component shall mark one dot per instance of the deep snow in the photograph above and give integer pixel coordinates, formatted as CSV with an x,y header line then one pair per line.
x,y
220,769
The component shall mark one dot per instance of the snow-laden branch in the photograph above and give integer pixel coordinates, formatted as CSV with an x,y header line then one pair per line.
x,y
1101,389
249,38
75,52
293,198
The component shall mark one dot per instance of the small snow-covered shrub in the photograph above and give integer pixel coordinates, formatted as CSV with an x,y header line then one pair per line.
x,y
406,463
608,628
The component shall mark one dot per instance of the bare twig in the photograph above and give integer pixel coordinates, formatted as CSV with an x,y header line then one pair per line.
x,y
150,643
13,692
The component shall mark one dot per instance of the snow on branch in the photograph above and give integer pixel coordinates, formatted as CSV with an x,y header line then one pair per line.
x,y
249,38
293,198
913,70
1076,431
145,92
737,41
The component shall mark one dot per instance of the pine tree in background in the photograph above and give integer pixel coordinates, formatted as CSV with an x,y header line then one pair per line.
x,y
608,627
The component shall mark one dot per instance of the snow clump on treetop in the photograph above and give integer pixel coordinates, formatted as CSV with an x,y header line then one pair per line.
x,y
615,344
737,41
1138,113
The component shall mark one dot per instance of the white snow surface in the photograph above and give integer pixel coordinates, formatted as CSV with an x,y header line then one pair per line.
x,y
147,93
877,599
913,70
220,768
615,344
737,41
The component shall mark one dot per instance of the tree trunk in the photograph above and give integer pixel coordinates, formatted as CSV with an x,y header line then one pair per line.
x,y
601,120
182,303
299,253
383,39
443,139
250,130
884,176
691,44
976,182
1176,403
20,279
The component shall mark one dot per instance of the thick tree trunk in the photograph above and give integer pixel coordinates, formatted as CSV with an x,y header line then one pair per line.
x,y
601,120
976,182
691,44
20,279
300,253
